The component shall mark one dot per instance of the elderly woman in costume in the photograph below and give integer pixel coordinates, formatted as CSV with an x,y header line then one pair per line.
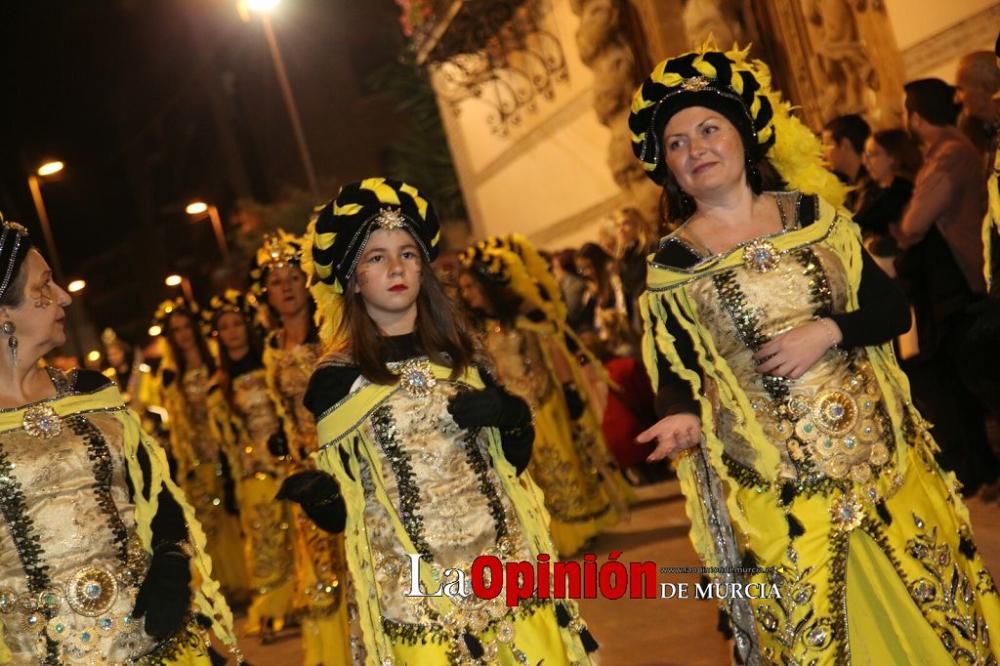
x,y
767,336
232,317
97,553
189,391
291,352
526,335
421,449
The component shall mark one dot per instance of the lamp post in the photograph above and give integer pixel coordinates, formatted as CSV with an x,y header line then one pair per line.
x,y
175,280
264,9
197,208
35,186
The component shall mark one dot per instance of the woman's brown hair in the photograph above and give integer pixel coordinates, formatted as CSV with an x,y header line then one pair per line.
x,y
441,329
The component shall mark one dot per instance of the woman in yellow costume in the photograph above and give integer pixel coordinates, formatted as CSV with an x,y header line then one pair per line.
x,y
190,391
527,337
290,355
232,317
99,545
421,449
768,335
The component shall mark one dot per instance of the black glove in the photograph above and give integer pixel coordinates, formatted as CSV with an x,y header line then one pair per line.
x,y
491,407
165,595
277,444
574,403
319,495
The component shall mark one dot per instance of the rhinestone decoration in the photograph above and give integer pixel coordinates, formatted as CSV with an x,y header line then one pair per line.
x,y
836,412
760,256
42,421
390,218
695,83
846,512
416,377
91,591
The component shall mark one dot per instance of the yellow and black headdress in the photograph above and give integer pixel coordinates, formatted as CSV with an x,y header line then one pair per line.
x,y
14,245
231,300
497,260
279,249
740,89
340,231
162,315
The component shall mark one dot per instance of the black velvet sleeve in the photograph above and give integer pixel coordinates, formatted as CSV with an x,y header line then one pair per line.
x,y
674,394
882,313
329,385
169,527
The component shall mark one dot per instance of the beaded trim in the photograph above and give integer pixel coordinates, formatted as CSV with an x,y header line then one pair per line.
x,y
103,470
486,487
384,426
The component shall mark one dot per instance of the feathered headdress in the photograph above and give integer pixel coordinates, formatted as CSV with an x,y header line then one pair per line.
x,y
741,89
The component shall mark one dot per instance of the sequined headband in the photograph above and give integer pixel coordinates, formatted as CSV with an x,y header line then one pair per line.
x,y
19,233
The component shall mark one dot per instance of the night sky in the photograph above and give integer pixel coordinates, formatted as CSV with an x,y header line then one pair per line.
x,y
154,103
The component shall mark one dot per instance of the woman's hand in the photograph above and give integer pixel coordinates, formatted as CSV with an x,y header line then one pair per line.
x,y
793,352
672,435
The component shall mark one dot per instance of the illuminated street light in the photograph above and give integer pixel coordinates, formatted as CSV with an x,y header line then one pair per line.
x,y
50,168
76,286
35,187
264,8
173,280
155,330
197,208
93,356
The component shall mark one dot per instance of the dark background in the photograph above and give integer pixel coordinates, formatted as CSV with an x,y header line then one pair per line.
x,y
154,103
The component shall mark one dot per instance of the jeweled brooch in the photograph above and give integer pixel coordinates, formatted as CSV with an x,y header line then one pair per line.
x,y
416,377
390,218
695,83
761,256
846,512
42,421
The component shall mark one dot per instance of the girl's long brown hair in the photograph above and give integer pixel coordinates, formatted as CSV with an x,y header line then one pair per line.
x,y
442,330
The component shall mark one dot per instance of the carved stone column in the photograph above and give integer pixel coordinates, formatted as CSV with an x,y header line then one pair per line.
x,y
610,39
832,57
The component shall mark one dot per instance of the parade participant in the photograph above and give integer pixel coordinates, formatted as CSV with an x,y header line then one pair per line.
x,y
99,548
188,386
421,448
267,541
291,352
799,449
122,364
526,335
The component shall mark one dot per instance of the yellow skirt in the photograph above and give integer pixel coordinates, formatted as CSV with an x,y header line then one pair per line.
x,y
578,503
321,592
856,589
267,552
203,488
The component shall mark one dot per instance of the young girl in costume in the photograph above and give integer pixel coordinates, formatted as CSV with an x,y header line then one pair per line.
x,y
103,559
526,335
768,331
190,391
291,351
266,523
420,448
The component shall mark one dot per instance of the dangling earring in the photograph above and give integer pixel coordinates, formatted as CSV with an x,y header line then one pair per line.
x,y
9,329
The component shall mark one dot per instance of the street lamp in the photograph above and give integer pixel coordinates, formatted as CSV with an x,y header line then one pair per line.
x,y
185,285
35,186
197,208
76,286
263,8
